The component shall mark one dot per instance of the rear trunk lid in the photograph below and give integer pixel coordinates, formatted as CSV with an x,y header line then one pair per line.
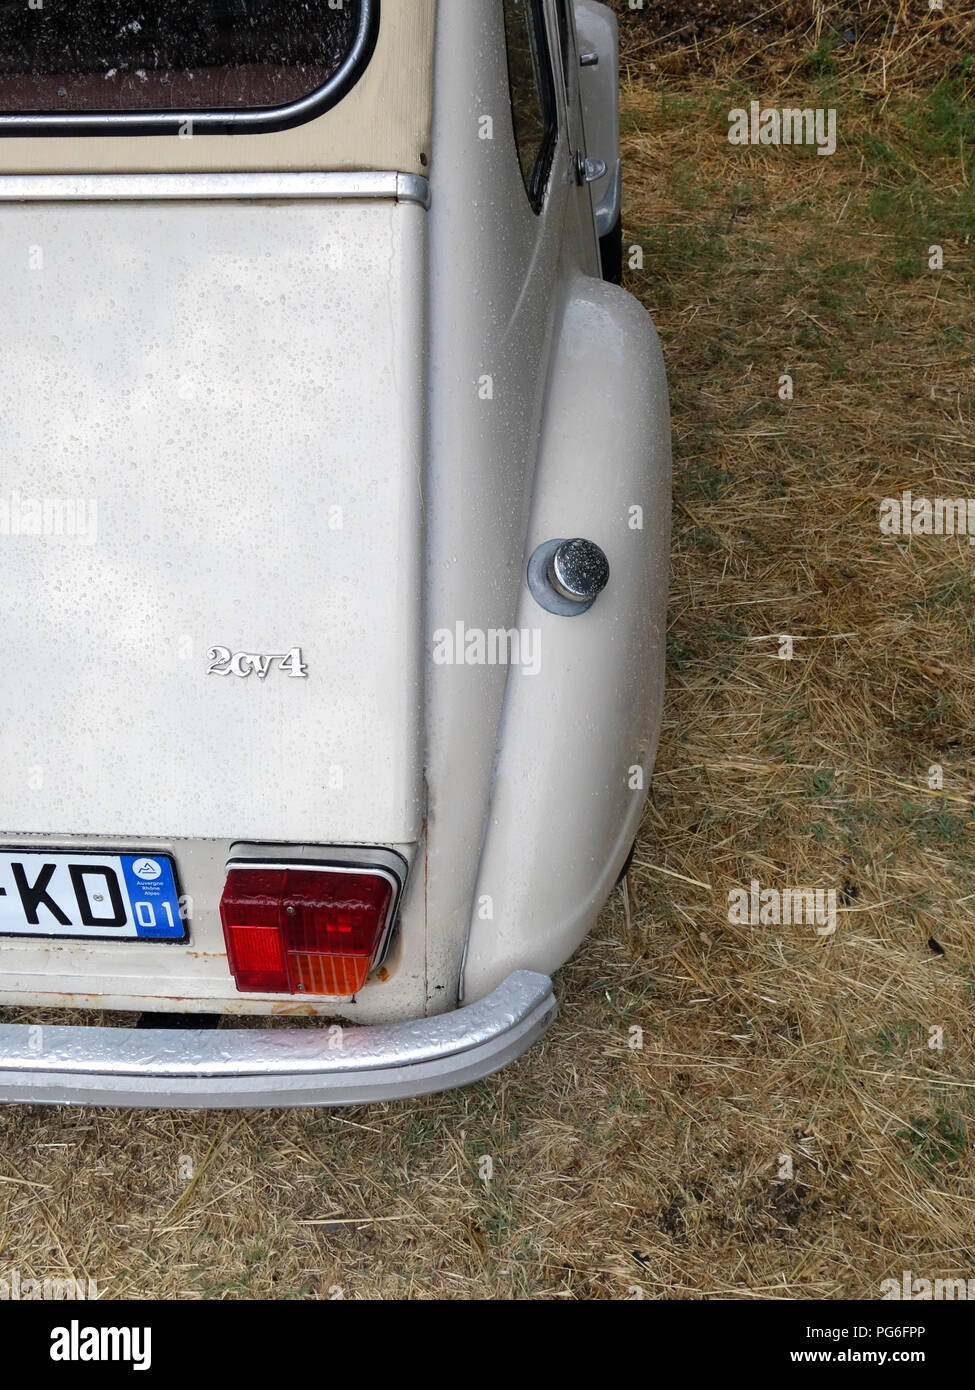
x,y
211,433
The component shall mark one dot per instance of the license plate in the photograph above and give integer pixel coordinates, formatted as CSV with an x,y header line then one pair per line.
x,y
119,897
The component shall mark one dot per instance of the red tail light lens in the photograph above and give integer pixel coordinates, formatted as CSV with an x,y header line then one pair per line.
x,y
257,959
305,931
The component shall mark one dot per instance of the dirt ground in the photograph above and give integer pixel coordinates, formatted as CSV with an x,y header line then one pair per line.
x,y
722,1110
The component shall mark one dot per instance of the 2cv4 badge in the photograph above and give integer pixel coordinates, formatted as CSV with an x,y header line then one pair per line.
x,y
223,662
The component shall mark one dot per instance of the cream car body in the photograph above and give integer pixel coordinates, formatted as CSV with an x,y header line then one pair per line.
x,y
323,392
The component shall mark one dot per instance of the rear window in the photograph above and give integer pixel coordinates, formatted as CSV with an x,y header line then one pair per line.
x,y
111,57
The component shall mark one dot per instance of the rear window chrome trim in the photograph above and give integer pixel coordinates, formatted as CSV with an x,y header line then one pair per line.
x,y
367,185
234,121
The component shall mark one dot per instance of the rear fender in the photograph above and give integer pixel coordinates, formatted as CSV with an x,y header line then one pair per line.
x,y
581,720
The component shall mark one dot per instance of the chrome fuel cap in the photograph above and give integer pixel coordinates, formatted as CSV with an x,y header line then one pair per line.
x,y
578,570
567,576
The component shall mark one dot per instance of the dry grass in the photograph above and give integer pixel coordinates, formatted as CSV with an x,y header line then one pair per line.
x,y
716,37
658,1168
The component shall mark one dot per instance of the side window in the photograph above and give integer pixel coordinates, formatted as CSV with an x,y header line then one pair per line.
x,y
563,10
533,106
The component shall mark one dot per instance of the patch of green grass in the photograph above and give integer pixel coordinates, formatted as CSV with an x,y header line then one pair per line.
x,y
770,823
626,1004
942,124
882,331
855,822
821,62
420,1132
692,192
628,1099
958,588
957,335
807,335
677,108
679,250
846,274
895,1038
731,96
497,1215
680,654
909,264
916,209
837,304
941,711
880,156
938,1141
717,630
702,479
934,828
797,714
704,539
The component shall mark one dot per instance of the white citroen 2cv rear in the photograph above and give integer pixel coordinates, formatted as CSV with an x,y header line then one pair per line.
x,y
334,530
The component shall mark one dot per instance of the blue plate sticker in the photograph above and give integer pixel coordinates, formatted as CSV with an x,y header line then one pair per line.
x,y
152,893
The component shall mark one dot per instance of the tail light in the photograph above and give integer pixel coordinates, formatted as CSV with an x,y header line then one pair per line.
x,y
306,929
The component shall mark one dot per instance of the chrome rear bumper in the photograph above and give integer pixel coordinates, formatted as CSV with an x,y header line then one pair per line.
x,y
221,1069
